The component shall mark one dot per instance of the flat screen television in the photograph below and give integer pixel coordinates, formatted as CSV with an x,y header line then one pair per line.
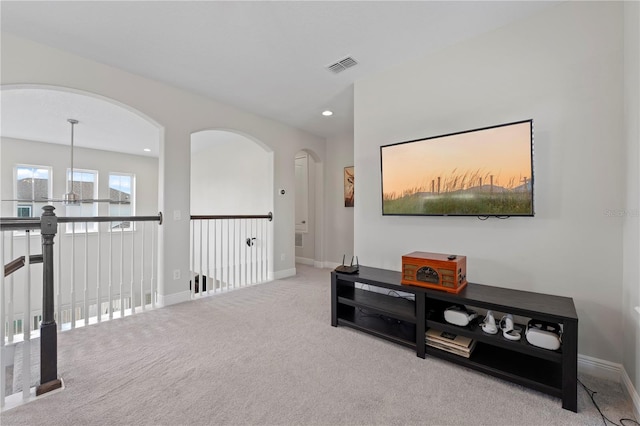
x,y
481,172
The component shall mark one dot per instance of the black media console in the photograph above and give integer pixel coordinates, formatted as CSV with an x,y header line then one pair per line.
x,y
378,309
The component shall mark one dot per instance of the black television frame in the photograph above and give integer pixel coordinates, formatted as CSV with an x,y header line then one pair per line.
x,y
479,215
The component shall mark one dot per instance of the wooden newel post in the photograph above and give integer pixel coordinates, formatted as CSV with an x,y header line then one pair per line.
x,y
48,331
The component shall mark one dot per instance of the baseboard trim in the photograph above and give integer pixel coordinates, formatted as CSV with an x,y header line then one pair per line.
x,y
610,371
599,368
173,299
331,265
633,393
305,261
278,275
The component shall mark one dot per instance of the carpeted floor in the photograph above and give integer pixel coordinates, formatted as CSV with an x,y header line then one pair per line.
x,y
268,355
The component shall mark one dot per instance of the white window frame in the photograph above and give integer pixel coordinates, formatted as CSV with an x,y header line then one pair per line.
x,y
132,177
27,207
79,227
16,204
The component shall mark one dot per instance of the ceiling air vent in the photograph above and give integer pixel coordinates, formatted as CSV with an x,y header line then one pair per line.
x,y
342,65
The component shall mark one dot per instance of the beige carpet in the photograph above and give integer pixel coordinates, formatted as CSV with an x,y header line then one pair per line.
x,y
268,355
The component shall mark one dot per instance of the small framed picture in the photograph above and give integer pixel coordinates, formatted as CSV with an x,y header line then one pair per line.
x,y
348,186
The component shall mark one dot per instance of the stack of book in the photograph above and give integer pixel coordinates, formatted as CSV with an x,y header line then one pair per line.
x,y
459,345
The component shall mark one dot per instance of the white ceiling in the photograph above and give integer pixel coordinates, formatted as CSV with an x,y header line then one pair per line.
x,y
41,115
266,57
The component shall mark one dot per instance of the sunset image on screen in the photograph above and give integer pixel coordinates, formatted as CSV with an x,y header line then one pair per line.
x,y
482,172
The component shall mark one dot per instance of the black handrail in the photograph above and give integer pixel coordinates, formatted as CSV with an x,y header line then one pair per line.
x,y
24,223
81,219
234,216
18,263
19,223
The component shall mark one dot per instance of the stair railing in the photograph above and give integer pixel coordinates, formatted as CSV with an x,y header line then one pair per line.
x,y
49,226
229,251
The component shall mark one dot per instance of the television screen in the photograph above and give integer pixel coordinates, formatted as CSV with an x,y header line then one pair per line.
x,y
481,172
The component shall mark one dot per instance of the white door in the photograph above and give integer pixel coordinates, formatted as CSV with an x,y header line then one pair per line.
x,y
302,192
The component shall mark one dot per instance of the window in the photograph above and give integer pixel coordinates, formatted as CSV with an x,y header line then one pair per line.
x,y
33,189
121,191
85,185
24,210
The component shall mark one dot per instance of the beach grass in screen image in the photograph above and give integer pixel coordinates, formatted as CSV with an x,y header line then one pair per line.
x,y
484,172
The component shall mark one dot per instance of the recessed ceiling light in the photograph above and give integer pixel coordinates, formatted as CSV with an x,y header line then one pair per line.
x,y
147,150
327,113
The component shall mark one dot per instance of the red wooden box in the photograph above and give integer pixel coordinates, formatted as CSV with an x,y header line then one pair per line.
x,y
435,270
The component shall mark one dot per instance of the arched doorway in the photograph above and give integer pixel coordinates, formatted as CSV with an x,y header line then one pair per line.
x,y
308,193
231,176
116,153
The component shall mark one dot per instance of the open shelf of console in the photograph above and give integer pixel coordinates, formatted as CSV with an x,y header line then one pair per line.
x,y
474,331
379,325
379,309
530,371
395,307
397,319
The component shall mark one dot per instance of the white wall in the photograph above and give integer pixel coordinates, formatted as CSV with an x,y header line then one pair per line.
x,y
180,113
230,174
339,218
631,228
563,68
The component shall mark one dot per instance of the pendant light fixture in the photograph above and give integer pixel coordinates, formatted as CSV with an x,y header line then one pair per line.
x,y
71,197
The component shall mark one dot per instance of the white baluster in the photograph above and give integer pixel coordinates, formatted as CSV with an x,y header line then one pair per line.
x,y
208,257
133,263
233,253
218,251
229,256
153,265
215,256
260,229
3,322
26,322
143,299
98,276
121,273
73,275
256,251
252,252
110,307
245,236
192,253
267,245
227,252
201,278
264,250
86,273
259,249
58,274
10,302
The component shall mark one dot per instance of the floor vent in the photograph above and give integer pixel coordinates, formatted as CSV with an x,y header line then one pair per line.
x,y
342,65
